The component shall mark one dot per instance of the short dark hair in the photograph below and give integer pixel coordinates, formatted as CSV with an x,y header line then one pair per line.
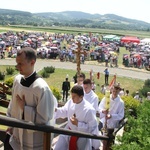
x,y
78,89
81,75
87,81
29,52
117,87
127,91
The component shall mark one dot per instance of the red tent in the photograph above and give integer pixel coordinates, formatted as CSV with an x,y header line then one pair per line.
x,y
129,39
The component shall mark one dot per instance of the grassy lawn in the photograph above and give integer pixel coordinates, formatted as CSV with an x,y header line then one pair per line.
x,y
3,70
56,79
2,109
141,34
120,57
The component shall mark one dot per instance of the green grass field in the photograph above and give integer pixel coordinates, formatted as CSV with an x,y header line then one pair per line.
x,y
140,34
56,79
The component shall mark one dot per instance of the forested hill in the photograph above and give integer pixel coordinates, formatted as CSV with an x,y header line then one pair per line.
x,y
71,18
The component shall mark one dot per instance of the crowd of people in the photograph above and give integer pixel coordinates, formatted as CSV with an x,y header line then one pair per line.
x,y
139,56
63,46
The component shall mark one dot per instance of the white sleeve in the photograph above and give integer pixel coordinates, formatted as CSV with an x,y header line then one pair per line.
x,y
89,124
96,104
62,112
45,107
120,114
101,107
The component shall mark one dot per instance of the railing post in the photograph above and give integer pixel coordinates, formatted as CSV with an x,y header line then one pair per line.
x,y
47,141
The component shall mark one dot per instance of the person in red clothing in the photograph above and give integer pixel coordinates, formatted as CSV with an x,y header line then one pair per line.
x,y
98,75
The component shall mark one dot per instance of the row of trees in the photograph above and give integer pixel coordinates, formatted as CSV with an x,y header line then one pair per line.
x,y
82,24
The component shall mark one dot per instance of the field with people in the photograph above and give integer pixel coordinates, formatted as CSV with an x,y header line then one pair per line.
x,y
58,45
56,79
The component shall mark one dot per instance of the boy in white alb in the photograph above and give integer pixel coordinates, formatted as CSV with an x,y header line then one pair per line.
x,y
111,116
92,98
81,117
89,94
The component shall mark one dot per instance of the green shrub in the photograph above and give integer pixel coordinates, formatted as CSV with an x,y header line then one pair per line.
x,y
137,131
50,69
145,89
147,83
2,75
130,102
10,70
44,74
9,81
56,93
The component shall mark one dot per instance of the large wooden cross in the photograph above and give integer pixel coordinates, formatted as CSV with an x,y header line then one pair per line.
x,y
78,53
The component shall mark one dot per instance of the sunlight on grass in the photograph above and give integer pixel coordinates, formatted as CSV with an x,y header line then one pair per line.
x,y
3,127
59,76
2,109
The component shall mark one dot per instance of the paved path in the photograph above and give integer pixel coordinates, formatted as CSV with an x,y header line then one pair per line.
x,y
120,71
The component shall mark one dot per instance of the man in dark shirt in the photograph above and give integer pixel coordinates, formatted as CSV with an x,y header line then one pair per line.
x,y
106,76
65,88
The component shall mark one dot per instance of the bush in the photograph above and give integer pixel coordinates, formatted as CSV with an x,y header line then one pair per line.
x,y
147,83
50,69
10,70
145,89
136,135
56,93
9,81
44,74
2,75
130,102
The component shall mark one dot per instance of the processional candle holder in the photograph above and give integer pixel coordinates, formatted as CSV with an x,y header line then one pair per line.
x,y
107,106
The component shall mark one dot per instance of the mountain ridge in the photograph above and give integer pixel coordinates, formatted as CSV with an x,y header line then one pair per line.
x,y
71,18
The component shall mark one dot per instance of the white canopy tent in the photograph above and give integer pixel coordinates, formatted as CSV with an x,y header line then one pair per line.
x,y
145,41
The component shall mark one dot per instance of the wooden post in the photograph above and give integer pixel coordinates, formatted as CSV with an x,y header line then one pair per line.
x,y
47,141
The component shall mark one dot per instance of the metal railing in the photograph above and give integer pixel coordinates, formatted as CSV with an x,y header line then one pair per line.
x,y
47,130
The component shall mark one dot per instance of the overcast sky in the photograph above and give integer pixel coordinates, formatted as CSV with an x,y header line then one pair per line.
x,y
134,9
